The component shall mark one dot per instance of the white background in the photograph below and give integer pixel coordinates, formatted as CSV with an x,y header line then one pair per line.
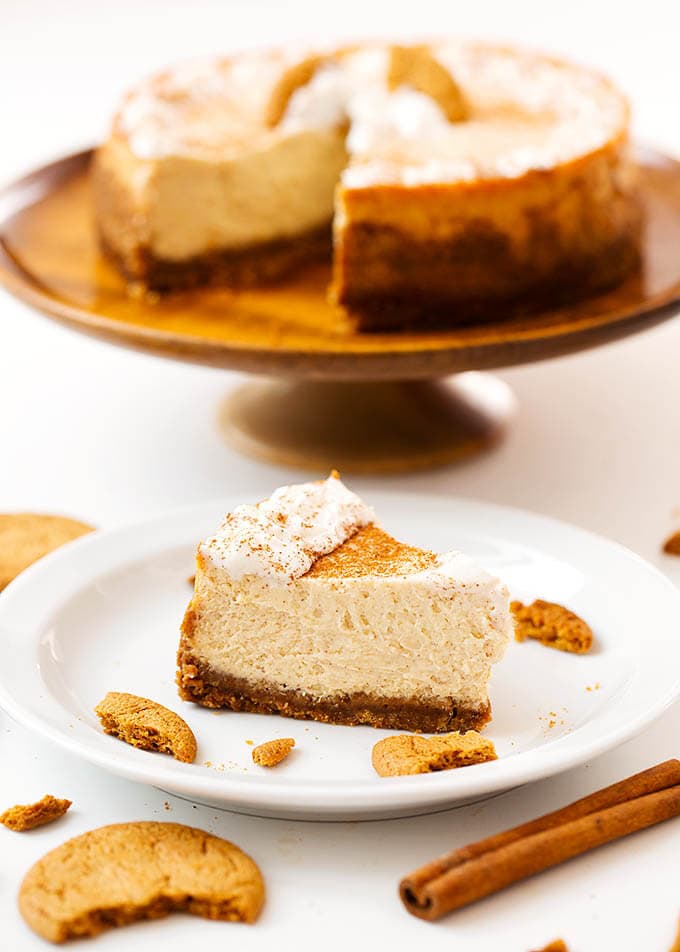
x,y
107,436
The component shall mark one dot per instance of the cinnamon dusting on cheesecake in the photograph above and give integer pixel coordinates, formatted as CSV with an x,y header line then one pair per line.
x,y
372,551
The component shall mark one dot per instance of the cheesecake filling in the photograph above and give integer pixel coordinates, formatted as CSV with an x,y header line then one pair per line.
x,y
375,637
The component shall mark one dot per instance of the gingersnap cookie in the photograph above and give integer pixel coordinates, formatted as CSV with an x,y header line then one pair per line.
x,y
26,536
404,754
26,816
146,724
272,752
553,625
119,874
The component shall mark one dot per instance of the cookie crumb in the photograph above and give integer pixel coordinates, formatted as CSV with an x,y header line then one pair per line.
x,y
27,816
272,752
672,544
553,625
404,754
146,724
593,687
297,75
125,872
250,742
558,945
191,580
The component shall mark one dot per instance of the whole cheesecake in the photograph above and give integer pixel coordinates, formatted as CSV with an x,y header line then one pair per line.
x,y
304,607
447,182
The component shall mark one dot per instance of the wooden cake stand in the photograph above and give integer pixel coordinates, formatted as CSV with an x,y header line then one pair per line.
x,y
331,397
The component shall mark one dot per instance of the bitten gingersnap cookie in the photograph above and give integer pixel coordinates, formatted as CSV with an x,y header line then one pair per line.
x,y
272,752
129,871
146,724
26,816
404,754
26,536
552,625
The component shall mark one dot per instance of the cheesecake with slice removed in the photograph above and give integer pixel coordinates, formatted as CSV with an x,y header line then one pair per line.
x,y
460,180
304,606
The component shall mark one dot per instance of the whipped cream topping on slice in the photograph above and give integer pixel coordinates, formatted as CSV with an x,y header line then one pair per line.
x,y
281,537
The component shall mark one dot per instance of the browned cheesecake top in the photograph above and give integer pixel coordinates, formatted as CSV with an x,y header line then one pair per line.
x,y
372,551
449,111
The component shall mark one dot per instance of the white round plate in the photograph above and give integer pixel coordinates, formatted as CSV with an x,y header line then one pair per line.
x,y
102,614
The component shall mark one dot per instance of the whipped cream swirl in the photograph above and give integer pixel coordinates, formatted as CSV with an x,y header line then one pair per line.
x,y
281,537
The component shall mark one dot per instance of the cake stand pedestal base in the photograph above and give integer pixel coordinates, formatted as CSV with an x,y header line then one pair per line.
x,y
359,427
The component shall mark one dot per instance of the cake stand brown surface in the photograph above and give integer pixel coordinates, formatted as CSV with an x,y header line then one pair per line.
x,y
49,257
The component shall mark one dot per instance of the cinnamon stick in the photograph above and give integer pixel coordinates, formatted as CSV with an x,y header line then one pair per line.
x,y
475,871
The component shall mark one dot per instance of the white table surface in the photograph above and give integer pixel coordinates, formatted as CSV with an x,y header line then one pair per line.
x,y
108,436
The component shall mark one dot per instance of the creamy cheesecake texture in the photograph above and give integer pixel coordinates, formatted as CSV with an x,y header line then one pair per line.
x,y
234,170
303,606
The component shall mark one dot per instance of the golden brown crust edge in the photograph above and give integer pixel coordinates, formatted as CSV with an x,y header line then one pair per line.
x,y
578,232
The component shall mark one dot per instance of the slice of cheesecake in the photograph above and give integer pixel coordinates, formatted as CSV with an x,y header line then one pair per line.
x,y
304,607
